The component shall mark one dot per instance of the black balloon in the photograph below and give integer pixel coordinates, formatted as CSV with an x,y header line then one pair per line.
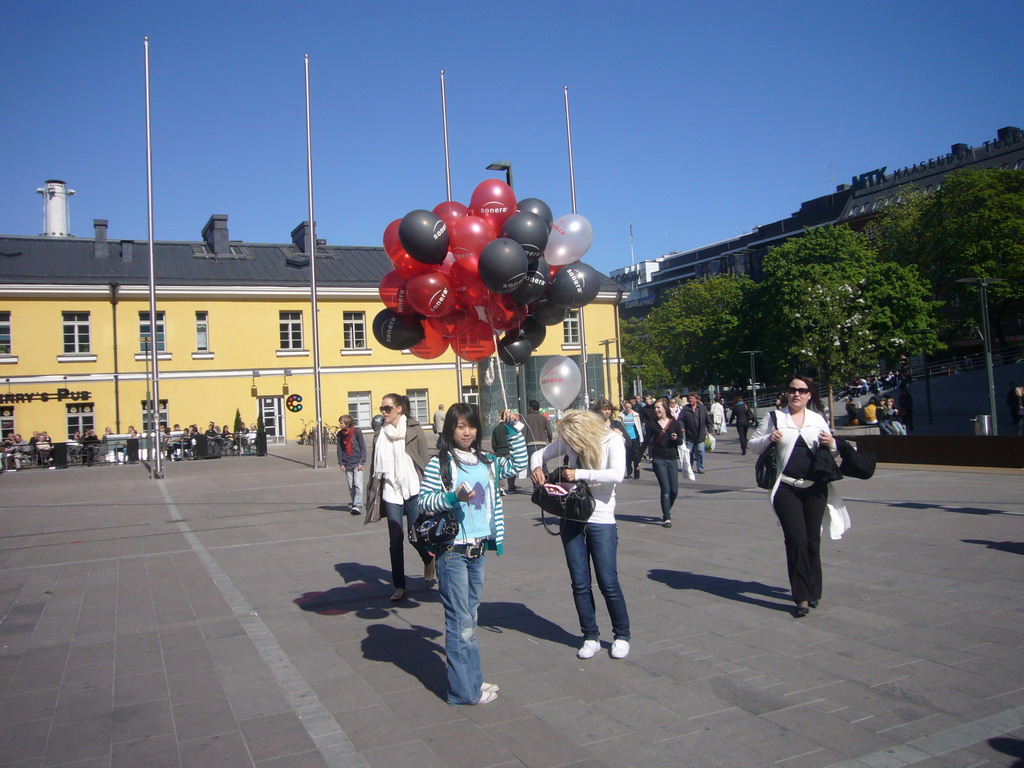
x,y
574,286
534,331
539,207
503,265
397,331
533,286
529,230
424,236
514,349
547,313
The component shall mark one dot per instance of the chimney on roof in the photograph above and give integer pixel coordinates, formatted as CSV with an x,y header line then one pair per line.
x,y
301,237
959,149
215,233
56,221
1009,133
101,249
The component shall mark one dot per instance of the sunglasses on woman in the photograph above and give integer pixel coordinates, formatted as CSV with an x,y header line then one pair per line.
x,y
798,391
387,408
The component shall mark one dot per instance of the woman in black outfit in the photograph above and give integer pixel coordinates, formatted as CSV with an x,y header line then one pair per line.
x,y
799,502
666,435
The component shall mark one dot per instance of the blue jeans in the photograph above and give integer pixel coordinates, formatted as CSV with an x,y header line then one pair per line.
x,y
460,584
354,479
696,452
398,535
667,472
584,542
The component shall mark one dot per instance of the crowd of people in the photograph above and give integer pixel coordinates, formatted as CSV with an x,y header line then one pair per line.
x,y
407,477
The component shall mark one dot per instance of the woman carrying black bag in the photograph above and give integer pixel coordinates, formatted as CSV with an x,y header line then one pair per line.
x,y
800,502
597,455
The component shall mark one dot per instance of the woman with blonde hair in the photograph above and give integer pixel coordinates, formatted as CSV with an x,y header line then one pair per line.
x,y
598,455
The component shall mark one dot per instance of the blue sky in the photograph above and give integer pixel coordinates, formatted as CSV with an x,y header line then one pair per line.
x,y
693,121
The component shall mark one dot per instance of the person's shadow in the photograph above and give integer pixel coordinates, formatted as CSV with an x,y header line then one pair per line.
x,y
412,650
750,592
366,592
516,617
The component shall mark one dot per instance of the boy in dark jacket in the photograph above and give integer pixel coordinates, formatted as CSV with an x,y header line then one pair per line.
x,y
351,458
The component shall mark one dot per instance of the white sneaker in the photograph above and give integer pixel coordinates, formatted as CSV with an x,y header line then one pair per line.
x,y
620,649
588,649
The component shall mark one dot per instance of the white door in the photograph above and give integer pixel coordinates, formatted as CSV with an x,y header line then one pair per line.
x,y
272,410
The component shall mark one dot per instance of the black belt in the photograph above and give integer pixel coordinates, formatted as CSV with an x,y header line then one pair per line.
x,y
469,550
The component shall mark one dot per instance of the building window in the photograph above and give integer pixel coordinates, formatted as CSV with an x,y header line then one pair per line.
x,y
6,422
418,405
76,333
471,395
359,409
354,326
161,342
5,333
291,330
202,332
161,416
571,327
80,417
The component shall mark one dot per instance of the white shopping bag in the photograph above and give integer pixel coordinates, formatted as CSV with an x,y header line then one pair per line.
x,y
684,461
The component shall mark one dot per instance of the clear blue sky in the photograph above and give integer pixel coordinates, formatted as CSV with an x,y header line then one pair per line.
x,y
693,121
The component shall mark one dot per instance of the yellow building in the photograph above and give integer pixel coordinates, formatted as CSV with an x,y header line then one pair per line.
x,y
234,333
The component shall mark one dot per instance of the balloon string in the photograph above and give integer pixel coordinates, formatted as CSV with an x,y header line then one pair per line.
x,y
501,375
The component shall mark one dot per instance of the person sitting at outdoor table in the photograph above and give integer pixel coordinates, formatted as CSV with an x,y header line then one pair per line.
x,y
14,452
90,446
43,447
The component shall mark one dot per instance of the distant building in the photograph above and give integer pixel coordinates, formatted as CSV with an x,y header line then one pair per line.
x,y
854,204
233,331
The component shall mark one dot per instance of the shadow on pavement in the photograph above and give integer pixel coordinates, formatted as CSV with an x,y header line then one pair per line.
x,y
497,617
1014,547
733,589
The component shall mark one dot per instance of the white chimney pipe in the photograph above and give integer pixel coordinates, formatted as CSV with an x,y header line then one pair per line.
x,y
56,222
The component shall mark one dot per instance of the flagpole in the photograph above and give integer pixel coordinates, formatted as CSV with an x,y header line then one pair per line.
x,y
154,403
448,187
572,190
318,441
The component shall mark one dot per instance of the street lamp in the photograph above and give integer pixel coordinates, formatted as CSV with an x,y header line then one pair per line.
x,y
753,378
983,283
503,166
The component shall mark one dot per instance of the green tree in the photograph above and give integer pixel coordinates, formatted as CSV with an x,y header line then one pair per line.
x,y
642,356
973,226
831,307
700,326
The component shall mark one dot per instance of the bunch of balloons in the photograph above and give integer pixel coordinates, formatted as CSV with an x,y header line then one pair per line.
x,y
464,273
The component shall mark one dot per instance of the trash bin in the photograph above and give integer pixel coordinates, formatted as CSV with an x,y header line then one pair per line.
x,y
982,424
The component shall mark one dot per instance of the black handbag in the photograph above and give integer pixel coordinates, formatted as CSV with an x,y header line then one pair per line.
x,y
434,529
567,501
858,464
766,467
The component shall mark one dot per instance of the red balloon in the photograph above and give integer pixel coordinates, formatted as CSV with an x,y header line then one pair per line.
x,y
468,287
475,345
394,293
455,323
433,344
553,270
494,201
451,212
392,245
408,266
431,294
470,235
502,314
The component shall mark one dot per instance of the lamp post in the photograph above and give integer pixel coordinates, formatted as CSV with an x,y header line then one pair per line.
x,y
983,283
753,378
503,166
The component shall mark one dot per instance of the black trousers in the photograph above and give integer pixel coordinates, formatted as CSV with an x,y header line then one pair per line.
x,y
633,455
800,512
741,430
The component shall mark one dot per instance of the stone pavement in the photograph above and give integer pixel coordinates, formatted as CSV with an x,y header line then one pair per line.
x,y
235,614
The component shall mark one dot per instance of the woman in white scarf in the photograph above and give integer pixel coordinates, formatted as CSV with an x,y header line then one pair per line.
x,y
399,455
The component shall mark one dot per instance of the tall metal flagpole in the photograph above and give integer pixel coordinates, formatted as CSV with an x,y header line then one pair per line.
x,y
318,441
572,189
448,187
154,404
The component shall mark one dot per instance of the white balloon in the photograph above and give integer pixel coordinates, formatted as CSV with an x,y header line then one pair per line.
x,y
560,381
570,238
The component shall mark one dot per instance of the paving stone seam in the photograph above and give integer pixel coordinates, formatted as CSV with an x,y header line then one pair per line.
x,y
330,739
